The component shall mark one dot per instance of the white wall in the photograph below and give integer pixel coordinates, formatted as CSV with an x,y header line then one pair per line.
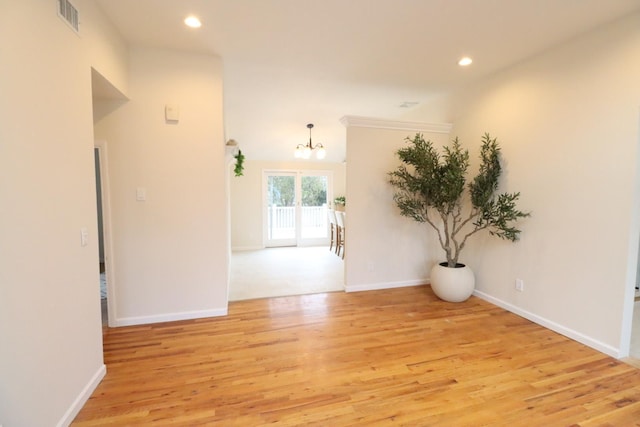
x,y
383,249
568,124
246,197
106,50
170,250
50,328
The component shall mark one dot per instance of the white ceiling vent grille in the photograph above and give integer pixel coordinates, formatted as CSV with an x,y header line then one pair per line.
x,y
69,14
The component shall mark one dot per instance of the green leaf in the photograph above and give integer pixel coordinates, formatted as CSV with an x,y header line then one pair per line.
x,y
430,188
239,168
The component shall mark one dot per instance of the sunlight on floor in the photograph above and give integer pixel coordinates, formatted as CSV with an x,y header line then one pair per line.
x,y
285,271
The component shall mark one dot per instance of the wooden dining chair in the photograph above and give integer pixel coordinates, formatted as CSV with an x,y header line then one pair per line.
x,y
340,241
333,229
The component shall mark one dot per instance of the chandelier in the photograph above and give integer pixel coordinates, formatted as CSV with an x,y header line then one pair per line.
x,y
303,151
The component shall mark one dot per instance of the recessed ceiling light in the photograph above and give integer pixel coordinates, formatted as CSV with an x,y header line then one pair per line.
x,y
465,61
193,22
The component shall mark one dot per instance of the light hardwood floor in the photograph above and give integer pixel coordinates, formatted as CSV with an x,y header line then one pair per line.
x,y
396,357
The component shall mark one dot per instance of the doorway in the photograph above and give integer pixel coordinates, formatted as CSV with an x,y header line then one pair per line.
x,y
106,284
295,205
634,346
633,330
298,262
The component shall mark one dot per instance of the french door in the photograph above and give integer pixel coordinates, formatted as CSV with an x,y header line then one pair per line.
x,y
295,208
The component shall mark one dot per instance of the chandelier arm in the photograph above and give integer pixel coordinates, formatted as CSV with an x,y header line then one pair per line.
x,y
310,146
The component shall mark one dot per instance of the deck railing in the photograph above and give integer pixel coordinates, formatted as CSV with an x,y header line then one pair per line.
x,y
281,222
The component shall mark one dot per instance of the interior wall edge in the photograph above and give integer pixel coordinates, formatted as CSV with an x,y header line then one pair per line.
x,y
83,396
170,317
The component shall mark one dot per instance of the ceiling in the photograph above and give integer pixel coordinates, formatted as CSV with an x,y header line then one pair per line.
x,y
292,62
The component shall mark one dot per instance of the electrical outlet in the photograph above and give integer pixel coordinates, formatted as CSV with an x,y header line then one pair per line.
x,y
519,285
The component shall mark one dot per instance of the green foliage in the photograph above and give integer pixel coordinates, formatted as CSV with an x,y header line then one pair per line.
x,y
430,188
281,190
239,168
314,190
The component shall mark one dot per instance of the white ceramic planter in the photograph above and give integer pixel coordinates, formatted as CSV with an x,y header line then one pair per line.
x,y
452,284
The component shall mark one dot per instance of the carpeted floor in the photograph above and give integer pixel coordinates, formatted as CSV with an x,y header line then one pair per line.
x,y
285,271
103,297
103,285
635,332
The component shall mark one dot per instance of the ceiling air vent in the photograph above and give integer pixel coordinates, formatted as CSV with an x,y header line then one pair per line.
x,y
68,13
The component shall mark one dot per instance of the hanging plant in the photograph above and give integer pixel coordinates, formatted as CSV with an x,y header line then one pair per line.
x,y
239,163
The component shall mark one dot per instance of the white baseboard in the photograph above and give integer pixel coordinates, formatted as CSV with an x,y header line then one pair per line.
x,y
570,333
169,317
82,398
385,285
246,248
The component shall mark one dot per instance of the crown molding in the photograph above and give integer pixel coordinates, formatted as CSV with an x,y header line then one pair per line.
x,y
373,123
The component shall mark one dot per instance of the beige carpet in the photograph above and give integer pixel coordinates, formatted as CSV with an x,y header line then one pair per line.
x,y
285,271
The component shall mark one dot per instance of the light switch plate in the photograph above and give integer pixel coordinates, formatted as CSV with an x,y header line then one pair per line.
x,y
141,194
84,236
171,113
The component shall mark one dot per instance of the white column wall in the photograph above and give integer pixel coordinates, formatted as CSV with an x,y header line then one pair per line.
x,y
383,249
171,249
50,328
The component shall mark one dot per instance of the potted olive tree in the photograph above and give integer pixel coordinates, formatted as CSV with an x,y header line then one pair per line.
x,y
431,188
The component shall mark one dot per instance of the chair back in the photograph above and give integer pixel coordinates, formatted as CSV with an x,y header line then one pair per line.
x,y
332,216
340,219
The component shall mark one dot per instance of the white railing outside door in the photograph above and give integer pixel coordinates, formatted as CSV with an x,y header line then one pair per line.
x,y
281,222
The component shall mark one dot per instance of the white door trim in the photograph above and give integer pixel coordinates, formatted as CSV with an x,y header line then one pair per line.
x,y
101,145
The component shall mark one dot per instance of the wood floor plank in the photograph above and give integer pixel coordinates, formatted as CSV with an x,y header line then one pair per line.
x,y
394,357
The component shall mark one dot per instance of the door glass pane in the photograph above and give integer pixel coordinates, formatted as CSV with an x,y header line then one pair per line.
x,y
281,210
314,207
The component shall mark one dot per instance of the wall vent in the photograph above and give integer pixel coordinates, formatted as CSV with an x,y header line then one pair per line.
x,y
69,14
